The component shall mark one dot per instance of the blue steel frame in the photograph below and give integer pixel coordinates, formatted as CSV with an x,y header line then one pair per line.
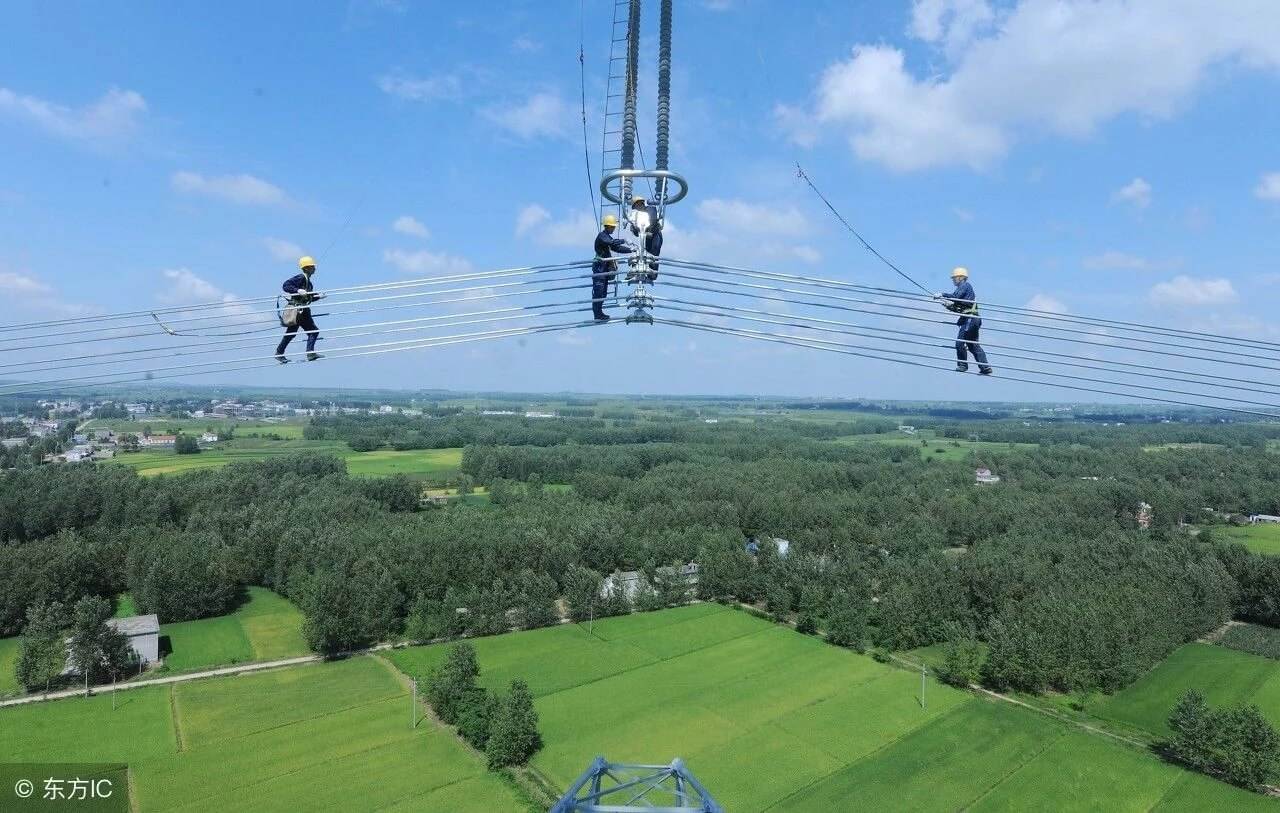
x,y
587,794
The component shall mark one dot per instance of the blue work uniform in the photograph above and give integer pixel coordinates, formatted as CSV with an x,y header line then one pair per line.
x,y
603,269
299,289
964,302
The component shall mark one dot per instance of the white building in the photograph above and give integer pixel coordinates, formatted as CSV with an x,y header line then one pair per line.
x,y
209,437
157,441
532,414
1263,519
984,476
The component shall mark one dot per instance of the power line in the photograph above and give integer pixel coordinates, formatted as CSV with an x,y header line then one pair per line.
x,y
1135,327
1003,367
818,345
1147,370
257,362
800,173
582,80
1216,358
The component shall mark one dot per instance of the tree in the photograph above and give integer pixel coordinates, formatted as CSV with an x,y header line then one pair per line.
x,y
962,662
1192,726
1254,759
186,444
809,609
44,650
450,683
513,736
476,711
582,593
778,600
427,620
536,600
97,648
847,621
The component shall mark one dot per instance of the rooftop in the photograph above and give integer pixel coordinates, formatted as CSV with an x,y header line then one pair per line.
x,y
137,625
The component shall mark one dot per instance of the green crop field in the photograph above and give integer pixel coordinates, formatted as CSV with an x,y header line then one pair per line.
x,y
378,463
336,735
8,660
266,627
1224,676
1260,538
935,447
772,720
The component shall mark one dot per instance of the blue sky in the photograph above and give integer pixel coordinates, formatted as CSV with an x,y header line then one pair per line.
x,y
1108,158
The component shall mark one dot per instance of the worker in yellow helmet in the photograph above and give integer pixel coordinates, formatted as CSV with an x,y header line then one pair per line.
x,y
604,269
964,302
298,315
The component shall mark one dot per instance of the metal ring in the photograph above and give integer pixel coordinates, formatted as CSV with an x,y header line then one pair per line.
x,y
619,174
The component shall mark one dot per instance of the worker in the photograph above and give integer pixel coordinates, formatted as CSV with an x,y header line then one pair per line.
x,y
645,222
604,269
963,301
300,289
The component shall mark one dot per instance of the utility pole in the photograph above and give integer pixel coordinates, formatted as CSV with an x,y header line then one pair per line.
x,y
413,706
922,682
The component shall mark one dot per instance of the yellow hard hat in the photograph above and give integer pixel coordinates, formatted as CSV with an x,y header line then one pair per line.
x,y
303,262
609,220
960,271
637,199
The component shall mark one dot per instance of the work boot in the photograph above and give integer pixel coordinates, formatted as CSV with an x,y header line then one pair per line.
x,y
603,317
282,358
985,371
962,368
312,356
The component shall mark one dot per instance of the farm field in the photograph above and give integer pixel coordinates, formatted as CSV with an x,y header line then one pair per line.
x,y
288,429
266,627
1225,677
378,463
772,720
335,734
1260,538
941,448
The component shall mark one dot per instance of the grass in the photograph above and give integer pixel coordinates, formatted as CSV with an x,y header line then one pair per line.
x,y
8,661
378,463
126,607
938,447
1260,538
322,736
288,429
266,627
1224,676
772,720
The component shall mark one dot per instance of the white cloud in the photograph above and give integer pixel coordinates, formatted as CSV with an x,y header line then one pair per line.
x,y
950,23
718,5
1057,66
406,224
241,188
530,217
1046,303
962,214
112,117
185,288
426,263
1118,261
1268,187
542,115
808,254
526,45
22,285
575,230
1184,291
282,250
1137,192
443,87
752,219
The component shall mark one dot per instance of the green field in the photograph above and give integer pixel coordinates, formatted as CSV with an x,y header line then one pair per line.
x,y
772,720
935,446
8,660
289,428
378,463
323,736
1260,538
1224,676
266,627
